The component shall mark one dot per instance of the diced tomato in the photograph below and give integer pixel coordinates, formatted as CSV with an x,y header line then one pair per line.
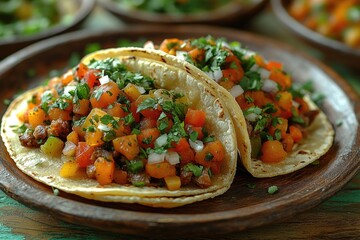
x,y
120,176
83,154
233,75
195,118
282,126
160,170
169,44
281,78
287,143
151,113
284,101
147,123
81,70
91,78
181,145
295,133
187,155
147,137
197,54
212,152
272,152
133,110
274,65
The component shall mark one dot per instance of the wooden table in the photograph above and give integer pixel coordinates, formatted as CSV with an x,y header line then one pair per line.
x,y
338,217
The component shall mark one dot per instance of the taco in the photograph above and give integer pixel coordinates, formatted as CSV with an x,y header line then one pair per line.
x,y
123,127
286,130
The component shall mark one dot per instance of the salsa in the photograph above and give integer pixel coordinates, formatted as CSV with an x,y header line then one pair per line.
x,y
275,111
339,20
115,126
27,17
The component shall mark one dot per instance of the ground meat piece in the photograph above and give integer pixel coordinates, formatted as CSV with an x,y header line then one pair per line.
x,y
40,132
185,176
59,128
203,180
99,152
90,171
28,140
136,178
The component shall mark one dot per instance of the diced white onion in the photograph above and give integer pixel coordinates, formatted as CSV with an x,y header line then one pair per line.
x,y
236,91
140,89
103,127
68,89
172,157
270,86
197,145
295,104
69,149
149,45
156,158
252,117
181,55
217,75
162,140
225,44
210,74
265,74
105,79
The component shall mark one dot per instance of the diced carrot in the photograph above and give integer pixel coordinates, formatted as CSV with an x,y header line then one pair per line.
x,y
127,146
272,152
160,170
104,95
82,107
259,98
91,78
295,133
83,154
197,54
147,137
195,118
173,182
212,152
133,110
243,102
120,176
181,145
104,170
284,101
260,60
169,44
233,75
226,83
73,137
57,113
281,78
94,138
115,110
37,116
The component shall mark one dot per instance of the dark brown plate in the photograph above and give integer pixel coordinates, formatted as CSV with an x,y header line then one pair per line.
x,y
80,9
240,208
334,49
230,13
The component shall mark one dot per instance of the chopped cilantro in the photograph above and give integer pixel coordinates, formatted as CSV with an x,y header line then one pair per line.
x,y
22,129
147,103
210,138
98,93
108,119
129,119
195,169
277,134
135,131
273,189
139,184
193,136
109,135
82,91
251,81
147,140
135,166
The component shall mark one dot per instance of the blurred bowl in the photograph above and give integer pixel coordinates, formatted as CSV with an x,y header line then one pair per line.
x,y
333,49
78,9
229,13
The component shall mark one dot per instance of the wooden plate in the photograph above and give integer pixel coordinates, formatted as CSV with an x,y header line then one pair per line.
x,y
240,208
336,50
79,9
230,13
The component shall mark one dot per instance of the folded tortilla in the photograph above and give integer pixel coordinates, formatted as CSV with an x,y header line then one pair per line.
x,y
165,75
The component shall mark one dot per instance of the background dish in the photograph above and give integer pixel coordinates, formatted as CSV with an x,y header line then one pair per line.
x,y
79,9
231,12
242,206
332,48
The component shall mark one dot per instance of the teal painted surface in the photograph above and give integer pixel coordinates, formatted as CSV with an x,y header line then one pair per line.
x,y
5,233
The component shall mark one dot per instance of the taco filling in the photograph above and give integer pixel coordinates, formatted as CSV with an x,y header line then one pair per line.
x,y
117,132
278,114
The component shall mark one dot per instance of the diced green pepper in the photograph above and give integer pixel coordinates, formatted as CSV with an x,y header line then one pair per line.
x,y
52,147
